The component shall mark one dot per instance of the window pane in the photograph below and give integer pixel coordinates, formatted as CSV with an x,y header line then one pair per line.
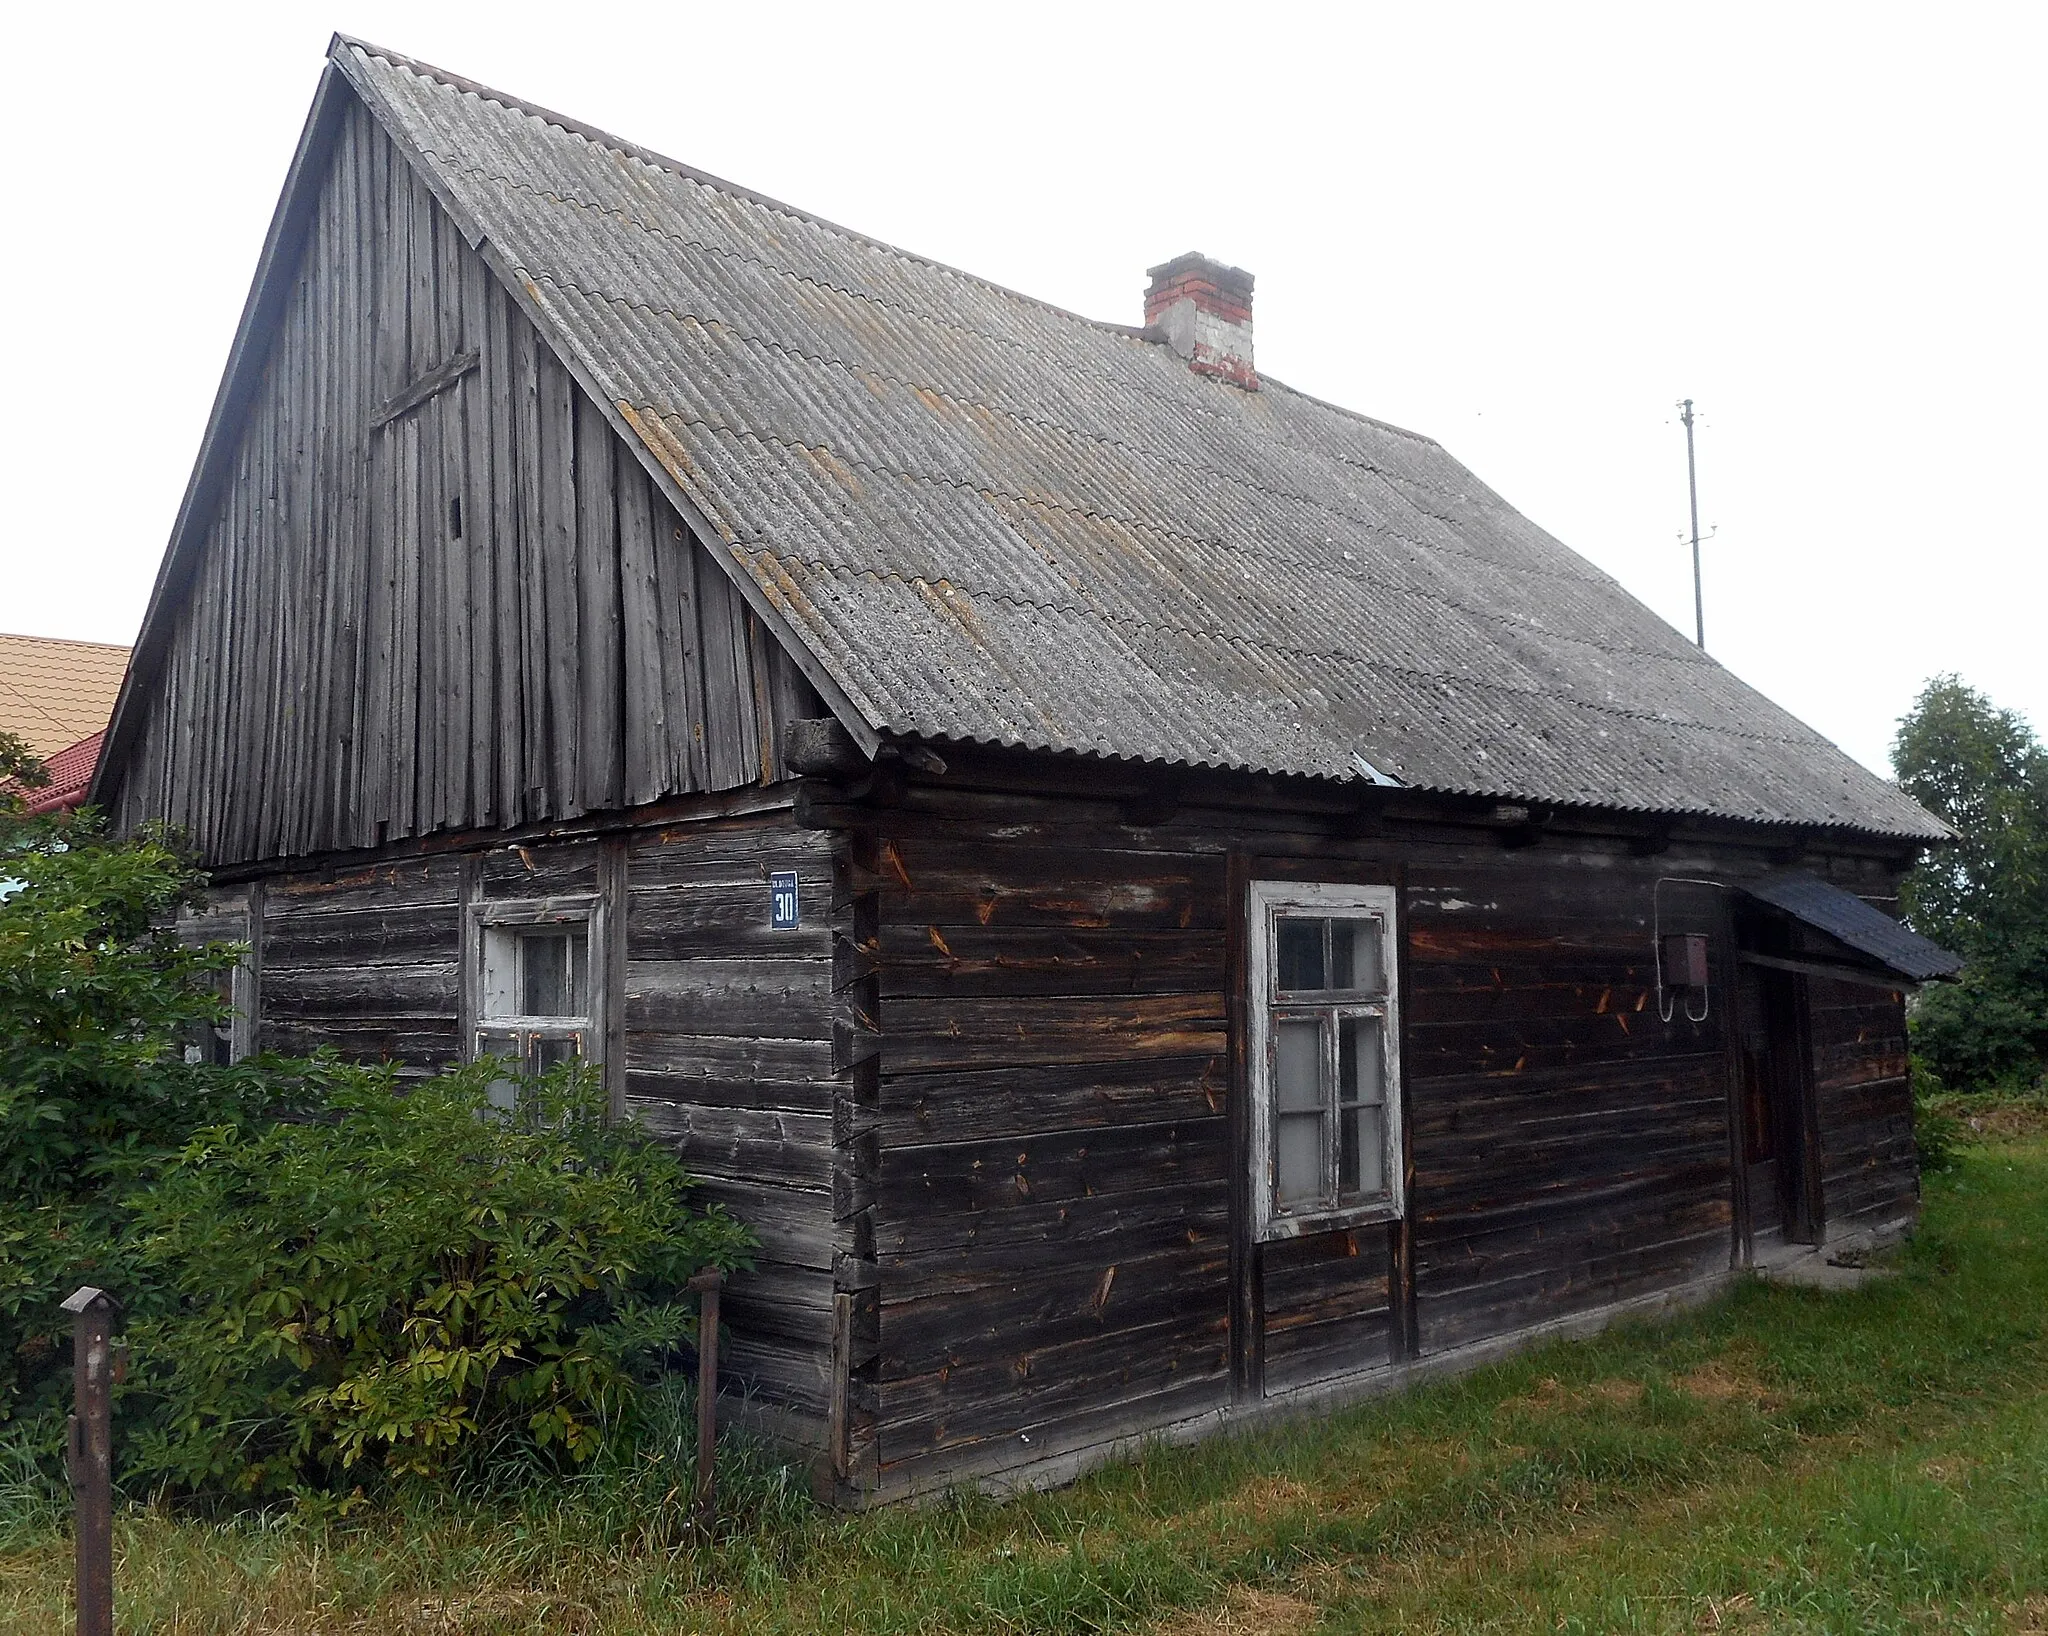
x,y
1361,1060
1300,954
1362,1152
1298,1067
1298,1158
1367,944
550,1053
501,1093
1342,934
551,975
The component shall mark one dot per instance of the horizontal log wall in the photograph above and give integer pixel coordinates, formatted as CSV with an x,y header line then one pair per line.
x,y
977,1105
439,594
365,961
728,1038
1051,1202
1870,1175
1571,1146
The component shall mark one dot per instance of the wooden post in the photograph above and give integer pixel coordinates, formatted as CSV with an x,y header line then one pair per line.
x,y
91,1454
707,1284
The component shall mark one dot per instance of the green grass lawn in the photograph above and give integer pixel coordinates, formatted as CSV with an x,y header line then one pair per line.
x,y
1785,1460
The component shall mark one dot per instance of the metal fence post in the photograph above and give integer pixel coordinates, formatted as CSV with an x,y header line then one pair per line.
x,y
707,1284
91,1452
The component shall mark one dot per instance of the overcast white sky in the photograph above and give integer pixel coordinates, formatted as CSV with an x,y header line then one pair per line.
x,y
1526,231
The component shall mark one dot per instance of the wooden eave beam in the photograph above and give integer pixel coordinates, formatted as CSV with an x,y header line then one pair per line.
x,y
1840,971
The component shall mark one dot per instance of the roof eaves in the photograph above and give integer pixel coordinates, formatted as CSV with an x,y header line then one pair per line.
x,y
1024,745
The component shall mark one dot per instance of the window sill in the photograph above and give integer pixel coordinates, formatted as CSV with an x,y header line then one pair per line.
x,y
1330,1221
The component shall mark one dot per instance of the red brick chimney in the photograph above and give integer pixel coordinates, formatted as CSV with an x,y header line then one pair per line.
x,y
1204,311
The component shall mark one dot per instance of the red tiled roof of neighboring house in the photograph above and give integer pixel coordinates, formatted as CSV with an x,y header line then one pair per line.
x,y
55,693
70,771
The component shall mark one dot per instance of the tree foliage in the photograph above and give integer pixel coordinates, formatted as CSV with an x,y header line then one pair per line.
x,y
329,1276
1984,772
97,999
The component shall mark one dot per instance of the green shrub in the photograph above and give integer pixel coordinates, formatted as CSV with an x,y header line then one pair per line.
x,y
1937,1132
412,1284
325,1279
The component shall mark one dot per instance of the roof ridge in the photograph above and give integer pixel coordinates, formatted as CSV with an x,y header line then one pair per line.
x,y
1348,412
600,137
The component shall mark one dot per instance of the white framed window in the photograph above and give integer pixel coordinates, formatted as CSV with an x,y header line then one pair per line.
x,y
538,988
233,1038
1324,1057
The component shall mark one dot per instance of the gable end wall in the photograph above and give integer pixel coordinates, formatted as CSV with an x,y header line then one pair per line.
x,y
437,592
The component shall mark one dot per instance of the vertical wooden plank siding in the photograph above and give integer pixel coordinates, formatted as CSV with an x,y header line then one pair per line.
x,y
459,608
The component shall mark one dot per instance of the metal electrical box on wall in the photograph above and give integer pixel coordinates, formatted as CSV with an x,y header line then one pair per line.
x,y
1685,960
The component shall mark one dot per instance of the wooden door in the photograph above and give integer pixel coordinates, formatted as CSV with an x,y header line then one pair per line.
x,y
1776,1127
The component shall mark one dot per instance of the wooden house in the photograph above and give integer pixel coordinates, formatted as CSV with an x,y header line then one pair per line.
x,y
1163,900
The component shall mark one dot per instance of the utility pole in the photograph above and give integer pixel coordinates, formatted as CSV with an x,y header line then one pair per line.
x,y
1692,491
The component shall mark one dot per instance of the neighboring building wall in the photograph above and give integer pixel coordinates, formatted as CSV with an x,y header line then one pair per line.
x,y
505,623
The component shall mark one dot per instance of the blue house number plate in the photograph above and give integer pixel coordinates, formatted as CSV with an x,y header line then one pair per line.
x,y
784,910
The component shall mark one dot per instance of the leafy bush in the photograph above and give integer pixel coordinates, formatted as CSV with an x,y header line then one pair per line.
x,y
415,1282
1976,1032
1937,1132
328,1278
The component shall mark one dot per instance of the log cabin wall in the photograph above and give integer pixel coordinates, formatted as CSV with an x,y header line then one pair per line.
x,y
1870,1174
438,593
728,1030
978,1103
1570,1144
719,1036
365,960
1051,1212
1052,1209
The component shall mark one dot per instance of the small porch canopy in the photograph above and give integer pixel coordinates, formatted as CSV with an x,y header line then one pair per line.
x,y
1856,942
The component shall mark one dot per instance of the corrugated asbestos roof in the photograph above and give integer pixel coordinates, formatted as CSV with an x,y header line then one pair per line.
x,y
53,692
993,521
1844,916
